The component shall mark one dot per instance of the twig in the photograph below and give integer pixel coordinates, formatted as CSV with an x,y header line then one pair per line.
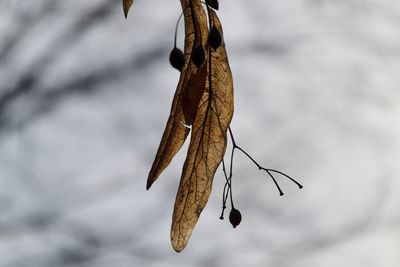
x,y
228,183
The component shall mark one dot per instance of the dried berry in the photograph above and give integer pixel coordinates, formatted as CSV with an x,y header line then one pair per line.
x,y
198,55
235,217
176,58
214,38
213,3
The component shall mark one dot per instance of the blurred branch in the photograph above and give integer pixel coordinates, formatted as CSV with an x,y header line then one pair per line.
x,y
27,82
46,99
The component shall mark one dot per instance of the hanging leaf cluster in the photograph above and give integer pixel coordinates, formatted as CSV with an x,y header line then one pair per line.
x,y
202,107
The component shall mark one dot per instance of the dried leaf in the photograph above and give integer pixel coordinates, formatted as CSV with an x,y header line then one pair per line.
x,y
187,96
126,5
207,145
204,100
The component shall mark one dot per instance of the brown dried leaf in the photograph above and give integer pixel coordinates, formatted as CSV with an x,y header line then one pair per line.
x,y
207,145
187,96
126,4
204,100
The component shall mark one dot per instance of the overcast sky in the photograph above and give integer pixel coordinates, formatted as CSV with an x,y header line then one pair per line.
x,y
85,95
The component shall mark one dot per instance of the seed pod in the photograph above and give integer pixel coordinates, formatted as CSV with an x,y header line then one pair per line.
x,y
198,55
214,38
213,3
235,217
176,58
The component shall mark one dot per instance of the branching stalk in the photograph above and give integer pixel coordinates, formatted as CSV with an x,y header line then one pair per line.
x,y
228,178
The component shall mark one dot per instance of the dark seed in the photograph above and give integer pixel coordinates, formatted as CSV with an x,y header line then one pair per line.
x,y
198,55
213,3
177,59
214,38
235,217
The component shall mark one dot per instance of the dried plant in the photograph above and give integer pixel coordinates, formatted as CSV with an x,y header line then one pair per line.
x,y
203,107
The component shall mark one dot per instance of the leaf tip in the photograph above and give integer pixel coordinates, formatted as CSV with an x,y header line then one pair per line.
x,y
177,249
126,4
148,184
177,244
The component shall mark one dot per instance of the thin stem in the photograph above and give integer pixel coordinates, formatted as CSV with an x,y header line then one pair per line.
x,y
210,18
230,177
244,152
224,193
276,183
225,198
176,28
228,184
287,176
269,171
232,138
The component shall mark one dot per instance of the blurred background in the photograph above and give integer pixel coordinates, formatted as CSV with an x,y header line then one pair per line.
x,y
85,95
